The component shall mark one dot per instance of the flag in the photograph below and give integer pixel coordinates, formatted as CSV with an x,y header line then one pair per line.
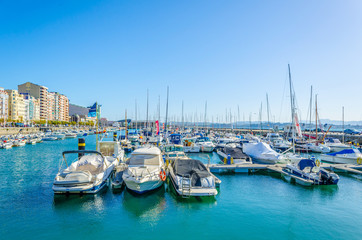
x,y
93,110
157,127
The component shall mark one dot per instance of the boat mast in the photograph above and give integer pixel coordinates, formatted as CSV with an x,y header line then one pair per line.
x,y
205,115
166,113
310,110
316,119
292,106
126,125
183,122
268,110
147,114
343,124
135,104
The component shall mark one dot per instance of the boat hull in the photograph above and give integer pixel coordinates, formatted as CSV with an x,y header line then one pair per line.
x,y
142,187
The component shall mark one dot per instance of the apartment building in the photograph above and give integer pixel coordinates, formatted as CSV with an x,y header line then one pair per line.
x,y
4,102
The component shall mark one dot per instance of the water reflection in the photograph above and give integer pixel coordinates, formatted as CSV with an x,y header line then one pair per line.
x,y
84,202
148,206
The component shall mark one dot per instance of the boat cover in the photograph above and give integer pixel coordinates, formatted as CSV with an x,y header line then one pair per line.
x,y
259,149
344,151
306,163
235,153
191,167
92,163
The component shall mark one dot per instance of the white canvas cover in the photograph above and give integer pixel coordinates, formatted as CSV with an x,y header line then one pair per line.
x,y
145,159
92,163
259,149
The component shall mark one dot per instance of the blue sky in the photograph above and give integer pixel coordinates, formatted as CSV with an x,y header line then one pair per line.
x,y
227,53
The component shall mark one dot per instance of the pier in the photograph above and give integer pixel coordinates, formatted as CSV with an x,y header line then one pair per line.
x,y
250,168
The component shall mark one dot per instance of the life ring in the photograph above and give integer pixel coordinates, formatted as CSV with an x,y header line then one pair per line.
x,y
317,163
359,161
163,175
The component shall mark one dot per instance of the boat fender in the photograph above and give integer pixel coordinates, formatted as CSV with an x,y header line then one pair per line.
x,y
231,160
317,163
225,160
163,175
359,161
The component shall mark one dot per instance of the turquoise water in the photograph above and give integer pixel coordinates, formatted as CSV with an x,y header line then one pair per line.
x,y
259,206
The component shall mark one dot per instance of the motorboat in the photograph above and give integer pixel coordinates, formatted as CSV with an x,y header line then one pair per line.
x,y
70,135
205,144
262,152
49,138
315,147
173,152
89,172
19,143
335,145
145,170
191,177
348,156
117,180
6,144
233,154
306,172
277,142
190,146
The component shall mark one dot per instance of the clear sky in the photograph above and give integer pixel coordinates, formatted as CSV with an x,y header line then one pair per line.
x,y
227,53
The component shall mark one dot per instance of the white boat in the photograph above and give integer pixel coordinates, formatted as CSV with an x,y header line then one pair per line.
x,y
190,146
316,147
205,144
262,152
348,156
49,138
19,143
58,135
335,145
70,135
277,142
191,177
145,170
305,172
7,144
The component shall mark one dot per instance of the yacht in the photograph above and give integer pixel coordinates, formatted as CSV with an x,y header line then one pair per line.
x,y
145,170
90,171
191,177
277,142
347,156
206,145
335,145
305,172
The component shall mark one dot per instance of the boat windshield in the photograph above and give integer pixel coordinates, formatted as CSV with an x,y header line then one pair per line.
x,y
144,159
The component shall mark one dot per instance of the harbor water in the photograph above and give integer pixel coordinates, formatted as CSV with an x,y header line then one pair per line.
x,y
248,206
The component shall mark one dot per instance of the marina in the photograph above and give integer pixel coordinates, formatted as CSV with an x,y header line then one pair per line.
x,y
180,119
241,196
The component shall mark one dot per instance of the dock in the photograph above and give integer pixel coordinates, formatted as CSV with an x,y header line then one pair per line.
x,y
250,168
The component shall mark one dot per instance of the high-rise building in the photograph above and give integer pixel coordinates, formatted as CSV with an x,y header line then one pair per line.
x,y
38,92
16,105
58,107
32,108
53,105
4,103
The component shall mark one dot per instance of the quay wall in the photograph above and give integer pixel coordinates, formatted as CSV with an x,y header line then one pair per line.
x,y
27,130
